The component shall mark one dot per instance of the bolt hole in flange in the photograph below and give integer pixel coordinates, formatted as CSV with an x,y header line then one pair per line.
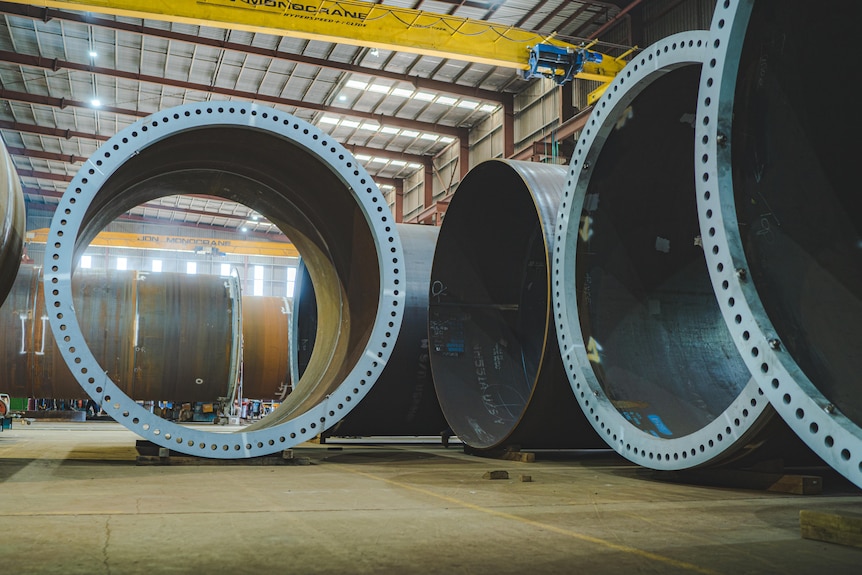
x,y
780,179
301,180
631,281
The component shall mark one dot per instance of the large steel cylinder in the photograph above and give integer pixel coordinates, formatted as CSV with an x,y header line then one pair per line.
x,y
301,180
159,336
12,222
266,324
494,355
780,213
648,355
402,401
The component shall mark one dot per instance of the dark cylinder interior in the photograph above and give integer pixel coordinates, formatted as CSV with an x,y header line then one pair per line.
x,y
494,354
795,187
159,336
654,333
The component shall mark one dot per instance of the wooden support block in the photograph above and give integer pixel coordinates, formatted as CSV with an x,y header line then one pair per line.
x,y
497,474
522,456
526,478
843,528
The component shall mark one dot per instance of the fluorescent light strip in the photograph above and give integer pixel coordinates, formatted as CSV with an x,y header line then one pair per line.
x,y
379,88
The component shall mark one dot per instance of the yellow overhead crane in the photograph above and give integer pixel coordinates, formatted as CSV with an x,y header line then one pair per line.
x,y
216,246
378,26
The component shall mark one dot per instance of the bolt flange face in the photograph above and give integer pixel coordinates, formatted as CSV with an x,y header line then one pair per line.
x,y
317,150
641,427
759,273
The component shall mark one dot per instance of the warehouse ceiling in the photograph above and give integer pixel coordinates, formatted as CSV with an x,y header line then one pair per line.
x,y
71,80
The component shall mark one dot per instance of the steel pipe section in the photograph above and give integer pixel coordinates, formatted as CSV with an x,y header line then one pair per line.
x,y
646,350
159,336
781,215
403,401
304,182
266,323
494,356
12,222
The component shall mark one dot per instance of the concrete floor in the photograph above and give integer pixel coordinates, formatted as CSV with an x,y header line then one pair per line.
x,y
73,500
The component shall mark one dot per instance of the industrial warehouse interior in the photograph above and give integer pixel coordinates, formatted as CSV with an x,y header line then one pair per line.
x,y
429,286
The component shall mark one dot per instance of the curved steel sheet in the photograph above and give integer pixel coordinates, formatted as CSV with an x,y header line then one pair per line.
x,y
780,214
303,323
647,353
12,222
266,322
304,182
494,356
159,336
403,401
